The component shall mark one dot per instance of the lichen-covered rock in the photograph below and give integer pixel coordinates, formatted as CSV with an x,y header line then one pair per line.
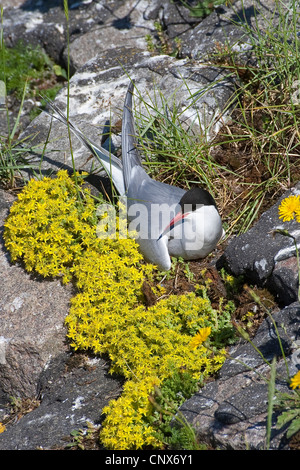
x,y
73,390
97,93
32,317
231,413
266,257
225,26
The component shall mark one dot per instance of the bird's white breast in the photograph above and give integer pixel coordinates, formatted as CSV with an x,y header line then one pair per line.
x,y
198,235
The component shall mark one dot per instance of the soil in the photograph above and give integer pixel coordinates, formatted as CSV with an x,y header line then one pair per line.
x,y
248,313
294,443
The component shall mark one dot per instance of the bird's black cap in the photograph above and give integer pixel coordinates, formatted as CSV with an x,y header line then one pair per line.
x,y
195,197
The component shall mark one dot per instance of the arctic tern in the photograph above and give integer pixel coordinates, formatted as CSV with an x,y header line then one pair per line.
x,y
168,221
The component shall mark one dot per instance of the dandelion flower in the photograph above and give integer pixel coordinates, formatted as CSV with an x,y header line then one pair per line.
x,y
200,337
289,207
295,381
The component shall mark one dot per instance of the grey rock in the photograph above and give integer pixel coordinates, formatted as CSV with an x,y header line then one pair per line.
x,y
44,23
35,361
73,391
125,26
284,280
176,20
32,317
243,406
213,30
225,26
285,323
266,257
231,412
97,93
13,107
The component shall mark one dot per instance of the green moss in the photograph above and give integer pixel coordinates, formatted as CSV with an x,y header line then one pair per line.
x,y
25,63
202,8
49,94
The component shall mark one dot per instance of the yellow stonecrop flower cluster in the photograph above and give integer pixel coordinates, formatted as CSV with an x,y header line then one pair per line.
x,y
53,228
127,423
144,345
49,227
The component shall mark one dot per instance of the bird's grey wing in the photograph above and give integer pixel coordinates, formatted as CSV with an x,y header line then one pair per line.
x,y
150,207
112,165
158,202
130,154
154,192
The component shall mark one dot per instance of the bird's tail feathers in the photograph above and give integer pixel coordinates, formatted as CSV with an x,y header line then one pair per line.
x,y
112,165
130,153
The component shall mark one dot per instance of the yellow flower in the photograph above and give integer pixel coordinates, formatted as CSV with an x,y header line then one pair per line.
x,y
289,207
295,381
200,337
2,428
53,230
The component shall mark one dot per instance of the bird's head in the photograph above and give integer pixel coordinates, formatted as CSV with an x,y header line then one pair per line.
x,y
195,205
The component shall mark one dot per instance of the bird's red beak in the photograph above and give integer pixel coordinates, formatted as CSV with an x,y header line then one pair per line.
x,y
178,219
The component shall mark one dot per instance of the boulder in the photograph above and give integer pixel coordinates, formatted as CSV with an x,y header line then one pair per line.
x,y
231,412
126,25
32,313
44,23
225,27
174,17
97,92
266,257
73,389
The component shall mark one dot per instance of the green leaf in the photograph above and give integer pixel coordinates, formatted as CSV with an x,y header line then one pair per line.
x,y
59,71
294,427
286,417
